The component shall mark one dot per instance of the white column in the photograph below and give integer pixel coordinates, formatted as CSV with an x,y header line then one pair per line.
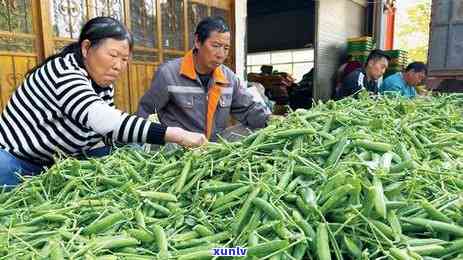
x,y
380,25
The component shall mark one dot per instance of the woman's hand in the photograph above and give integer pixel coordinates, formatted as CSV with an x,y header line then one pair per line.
x,y
191,139
184,138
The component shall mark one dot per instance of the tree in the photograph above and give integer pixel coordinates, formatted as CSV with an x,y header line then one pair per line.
x,y
413,33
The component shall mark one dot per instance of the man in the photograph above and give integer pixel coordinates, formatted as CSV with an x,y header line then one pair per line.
x,y
367,77
197,92
405,83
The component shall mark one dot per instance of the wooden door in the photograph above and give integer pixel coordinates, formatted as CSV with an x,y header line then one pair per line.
x,y
18,44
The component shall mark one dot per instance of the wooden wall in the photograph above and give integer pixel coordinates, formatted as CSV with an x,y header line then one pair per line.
x,y
31,30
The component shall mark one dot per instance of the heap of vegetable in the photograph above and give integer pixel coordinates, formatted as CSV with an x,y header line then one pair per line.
x,y
353,179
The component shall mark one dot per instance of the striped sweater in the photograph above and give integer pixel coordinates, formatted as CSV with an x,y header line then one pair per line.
x,y
58,109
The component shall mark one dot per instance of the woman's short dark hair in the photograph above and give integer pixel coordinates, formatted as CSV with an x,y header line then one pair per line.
x,y
96,30
417,66
210,24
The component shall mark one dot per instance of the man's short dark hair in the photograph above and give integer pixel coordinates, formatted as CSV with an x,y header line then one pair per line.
x,y
417,66
377,55
210,24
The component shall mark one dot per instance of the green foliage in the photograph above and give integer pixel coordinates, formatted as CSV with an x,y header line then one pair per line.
x,y
414,35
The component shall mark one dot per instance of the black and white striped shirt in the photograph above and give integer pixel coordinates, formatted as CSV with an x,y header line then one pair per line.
x,y
58,109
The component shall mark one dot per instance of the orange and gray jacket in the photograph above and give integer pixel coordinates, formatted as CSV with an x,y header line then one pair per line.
x,y
179,99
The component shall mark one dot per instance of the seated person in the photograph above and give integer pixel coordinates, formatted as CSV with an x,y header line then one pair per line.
x,y
65,106
366,77
345,69
405,83
199,93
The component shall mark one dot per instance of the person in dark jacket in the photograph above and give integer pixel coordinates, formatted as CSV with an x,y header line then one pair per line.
x,y
345,69
366,78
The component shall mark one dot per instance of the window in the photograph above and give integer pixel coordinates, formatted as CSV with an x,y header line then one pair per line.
x,y
295,62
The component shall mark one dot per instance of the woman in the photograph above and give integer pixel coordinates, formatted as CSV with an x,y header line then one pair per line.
x,y
65,105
